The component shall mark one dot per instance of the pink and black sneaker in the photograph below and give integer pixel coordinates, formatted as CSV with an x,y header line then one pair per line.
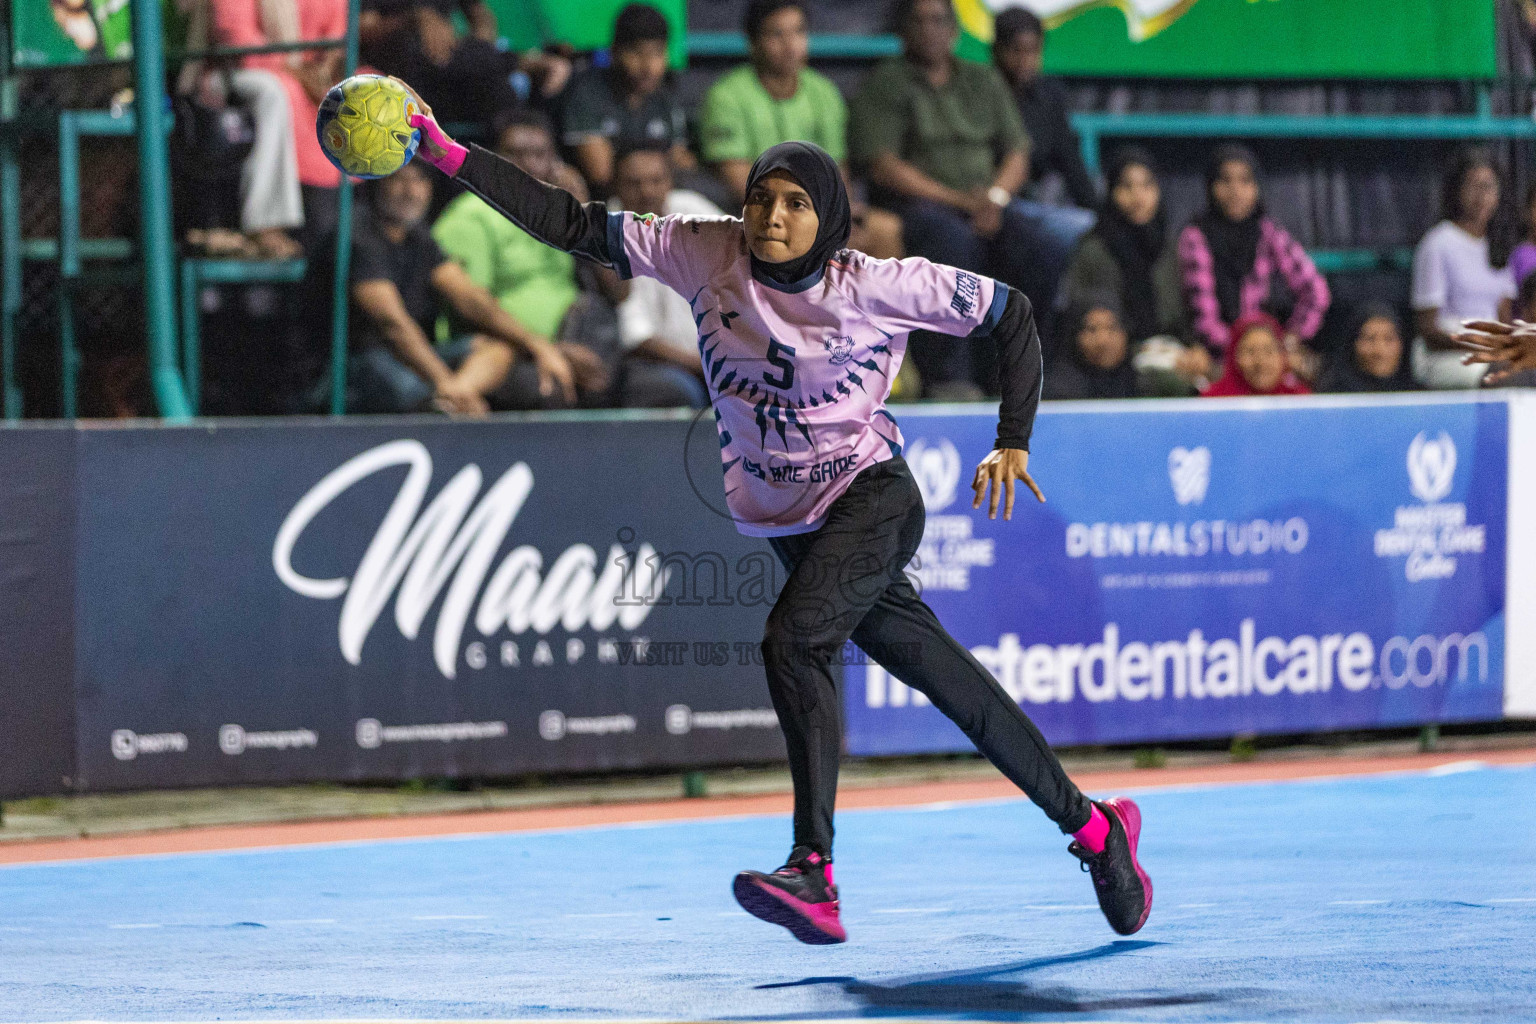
x,y
800,896
1123,888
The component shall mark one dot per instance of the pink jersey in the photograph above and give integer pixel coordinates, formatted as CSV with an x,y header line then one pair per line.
x,y
799,375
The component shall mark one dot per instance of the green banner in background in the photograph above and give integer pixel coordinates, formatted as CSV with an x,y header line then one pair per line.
x,y
581,24
49,33
1253,38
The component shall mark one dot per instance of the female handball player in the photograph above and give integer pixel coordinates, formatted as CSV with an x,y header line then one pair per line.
x,y
800,339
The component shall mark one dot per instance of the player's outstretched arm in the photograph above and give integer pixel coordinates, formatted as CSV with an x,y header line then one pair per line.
x,y
1021,373
1493,342
547,212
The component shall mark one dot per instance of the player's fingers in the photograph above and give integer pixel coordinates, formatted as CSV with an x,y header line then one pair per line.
x,y
995,479
1488,326
1008,509
414,95
1475,342
1039,494
979,485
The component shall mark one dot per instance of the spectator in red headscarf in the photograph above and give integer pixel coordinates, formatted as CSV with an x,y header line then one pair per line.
x,y
1256,362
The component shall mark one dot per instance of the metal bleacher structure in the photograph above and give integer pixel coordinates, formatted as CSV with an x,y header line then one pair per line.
x,y
176,369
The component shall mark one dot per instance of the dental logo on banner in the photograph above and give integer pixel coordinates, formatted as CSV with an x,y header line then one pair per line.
x,y
1430,537
1193,575
949,551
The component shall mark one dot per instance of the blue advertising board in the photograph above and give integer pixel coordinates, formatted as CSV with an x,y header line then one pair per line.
x,y
1212,568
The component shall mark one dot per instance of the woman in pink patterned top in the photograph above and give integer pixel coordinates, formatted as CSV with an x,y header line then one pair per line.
x,y
1228,257
799,339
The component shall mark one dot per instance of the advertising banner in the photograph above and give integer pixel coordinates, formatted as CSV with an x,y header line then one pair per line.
x,y
1211,568
1248,39
406,598
37,578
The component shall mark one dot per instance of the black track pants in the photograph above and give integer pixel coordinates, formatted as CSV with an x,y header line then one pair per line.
x,y
845,581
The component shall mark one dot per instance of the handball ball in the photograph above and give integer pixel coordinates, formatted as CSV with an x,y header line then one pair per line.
x,y
365,128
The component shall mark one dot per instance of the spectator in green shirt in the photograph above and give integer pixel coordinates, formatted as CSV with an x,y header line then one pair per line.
x,y
535,284
942,142
778,98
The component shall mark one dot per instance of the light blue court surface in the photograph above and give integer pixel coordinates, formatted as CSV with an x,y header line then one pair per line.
x,y
1408,897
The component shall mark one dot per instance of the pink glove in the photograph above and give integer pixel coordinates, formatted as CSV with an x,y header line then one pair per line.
x,y
453,153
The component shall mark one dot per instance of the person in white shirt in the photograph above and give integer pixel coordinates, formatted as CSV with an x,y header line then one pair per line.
x,y
1457,277
661,365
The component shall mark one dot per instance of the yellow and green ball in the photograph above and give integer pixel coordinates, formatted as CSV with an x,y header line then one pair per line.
x,y
364,126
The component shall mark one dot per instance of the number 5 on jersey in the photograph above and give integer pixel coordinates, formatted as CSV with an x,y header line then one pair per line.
x,y
777,353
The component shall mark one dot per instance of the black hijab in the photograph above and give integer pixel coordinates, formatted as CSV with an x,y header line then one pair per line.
x,y
1072,376
1343,374
1135,247
819,175
1234,244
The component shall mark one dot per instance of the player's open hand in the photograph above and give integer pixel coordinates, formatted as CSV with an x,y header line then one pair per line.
x,y
996,473
1513,345
433,142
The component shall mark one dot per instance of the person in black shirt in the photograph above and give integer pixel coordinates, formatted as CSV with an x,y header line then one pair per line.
x,y
398,277
629,105
1018,50
1055,159
417,39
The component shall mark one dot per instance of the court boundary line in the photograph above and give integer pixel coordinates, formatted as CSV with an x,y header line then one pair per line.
x,y
419,828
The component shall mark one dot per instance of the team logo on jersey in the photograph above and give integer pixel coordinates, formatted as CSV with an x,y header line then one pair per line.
x,y
839,348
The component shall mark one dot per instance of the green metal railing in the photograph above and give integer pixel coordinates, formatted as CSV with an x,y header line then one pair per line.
x,y
157,251
1092,128
174,370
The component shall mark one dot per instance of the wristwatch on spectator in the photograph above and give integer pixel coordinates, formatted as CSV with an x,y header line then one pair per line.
x,y
999,195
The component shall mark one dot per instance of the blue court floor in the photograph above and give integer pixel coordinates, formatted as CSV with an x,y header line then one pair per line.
x,y
1406,897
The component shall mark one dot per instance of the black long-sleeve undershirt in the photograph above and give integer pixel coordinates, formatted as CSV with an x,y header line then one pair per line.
x,y
547,212
553,216
1020,370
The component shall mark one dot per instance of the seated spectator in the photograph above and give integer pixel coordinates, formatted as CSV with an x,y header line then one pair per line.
x,y
533,282
1256,362
778,98
942,143
1129,255
1460,272
398,276
536,285
467,76
1374,360
1096,357
661,365
629,105
304,77
1523,259
1059,194
1229,255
